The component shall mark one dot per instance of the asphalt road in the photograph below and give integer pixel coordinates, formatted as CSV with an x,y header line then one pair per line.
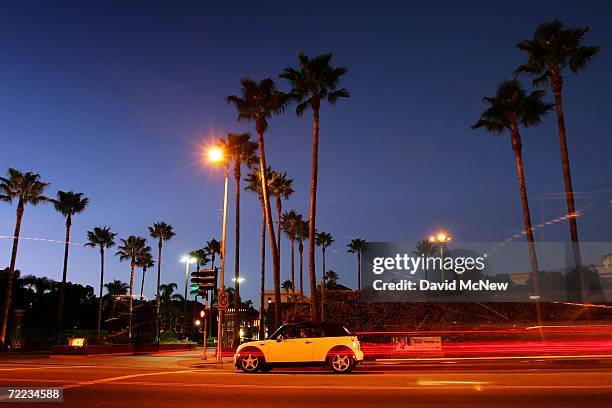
x,y
174,380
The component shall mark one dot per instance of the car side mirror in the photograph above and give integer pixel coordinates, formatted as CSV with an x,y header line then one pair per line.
x,y
279,339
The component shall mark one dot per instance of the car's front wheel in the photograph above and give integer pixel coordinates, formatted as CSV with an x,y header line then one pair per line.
x,y
341,362
251,361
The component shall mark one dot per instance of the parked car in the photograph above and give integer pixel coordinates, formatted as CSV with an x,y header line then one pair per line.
x,y
302,344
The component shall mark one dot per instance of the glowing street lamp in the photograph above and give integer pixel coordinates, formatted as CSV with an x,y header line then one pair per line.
x,y
441,238
217,156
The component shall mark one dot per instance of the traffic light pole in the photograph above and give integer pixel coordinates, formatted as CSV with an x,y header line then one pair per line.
x,y
205,318
222,276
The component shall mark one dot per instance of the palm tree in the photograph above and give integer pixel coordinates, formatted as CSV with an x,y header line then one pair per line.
x,y
253,180
509,109
332,279
257,103
68,203
324,240
115,289
425,248
26,188
240,150
357,246
553,49
201,256
213,247
132,249
160,231
281,188
288,286
314,81
145,261
102,238
290,222
301,235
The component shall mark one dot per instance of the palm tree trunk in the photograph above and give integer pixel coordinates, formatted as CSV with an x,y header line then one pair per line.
x,y
8,290
279,209
557,85
236,340
314,295
533,259
293,262
157,298
144,271
60,307
133,265
262,287
100,302
269,222
323,287
301,251
358,270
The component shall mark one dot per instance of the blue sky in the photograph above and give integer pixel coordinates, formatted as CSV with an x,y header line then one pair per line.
x,y
115,99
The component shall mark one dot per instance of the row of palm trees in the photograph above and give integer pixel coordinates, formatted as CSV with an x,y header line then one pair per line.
x,y
313,81
551,52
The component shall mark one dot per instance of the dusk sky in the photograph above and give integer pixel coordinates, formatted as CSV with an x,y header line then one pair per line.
x,y
117,100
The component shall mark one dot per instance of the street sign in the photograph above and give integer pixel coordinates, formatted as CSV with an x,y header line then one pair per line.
x,y
203,281
222,300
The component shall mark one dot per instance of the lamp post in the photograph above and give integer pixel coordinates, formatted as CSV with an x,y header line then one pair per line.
x,y
216,155
441,238
186,260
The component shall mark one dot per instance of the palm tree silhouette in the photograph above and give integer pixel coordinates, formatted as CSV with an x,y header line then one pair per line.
x,y
102,238
357,246
132,249
510,108
240,150
144,261
324,240
115,289
281,188
314,81
290,223
301,235
253,180
552,49
257,103
68,204
213,247
25,188
160,231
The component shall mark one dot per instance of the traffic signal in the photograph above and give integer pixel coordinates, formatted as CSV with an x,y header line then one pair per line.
x,y
202,281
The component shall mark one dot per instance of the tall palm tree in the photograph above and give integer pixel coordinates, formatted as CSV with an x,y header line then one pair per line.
x,y
508,110
324,240
145,261
552,49
240,150
357,246
314,81
253,180
115,289
301,236
257,103
213,247
102,238
68,203
160,231
281,189
290,222
25,188
132,249
201,257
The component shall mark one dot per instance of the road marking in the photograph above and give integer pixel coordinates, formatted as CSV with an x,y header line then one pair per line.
x,y
44,367
122,377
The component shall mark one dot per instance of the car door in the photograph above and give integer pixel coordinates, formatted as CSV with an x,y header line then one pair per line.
x,y
291,346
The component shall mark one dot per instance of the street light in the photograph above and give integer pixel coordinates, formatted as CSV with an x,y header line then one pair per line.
x,y
186,260
441,238
217,156
240,279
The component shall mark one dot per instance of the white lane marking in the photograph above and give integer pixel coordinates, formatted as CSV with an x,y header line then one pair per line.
x,y
48,367
122,377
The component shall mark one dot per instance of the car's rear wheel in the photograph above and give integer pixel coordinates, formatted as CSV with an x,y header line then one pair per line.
x,y
251,361
341,362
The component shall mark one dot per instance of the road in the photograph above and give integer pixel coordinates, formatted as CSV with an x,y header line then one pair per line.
x,y
179,379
